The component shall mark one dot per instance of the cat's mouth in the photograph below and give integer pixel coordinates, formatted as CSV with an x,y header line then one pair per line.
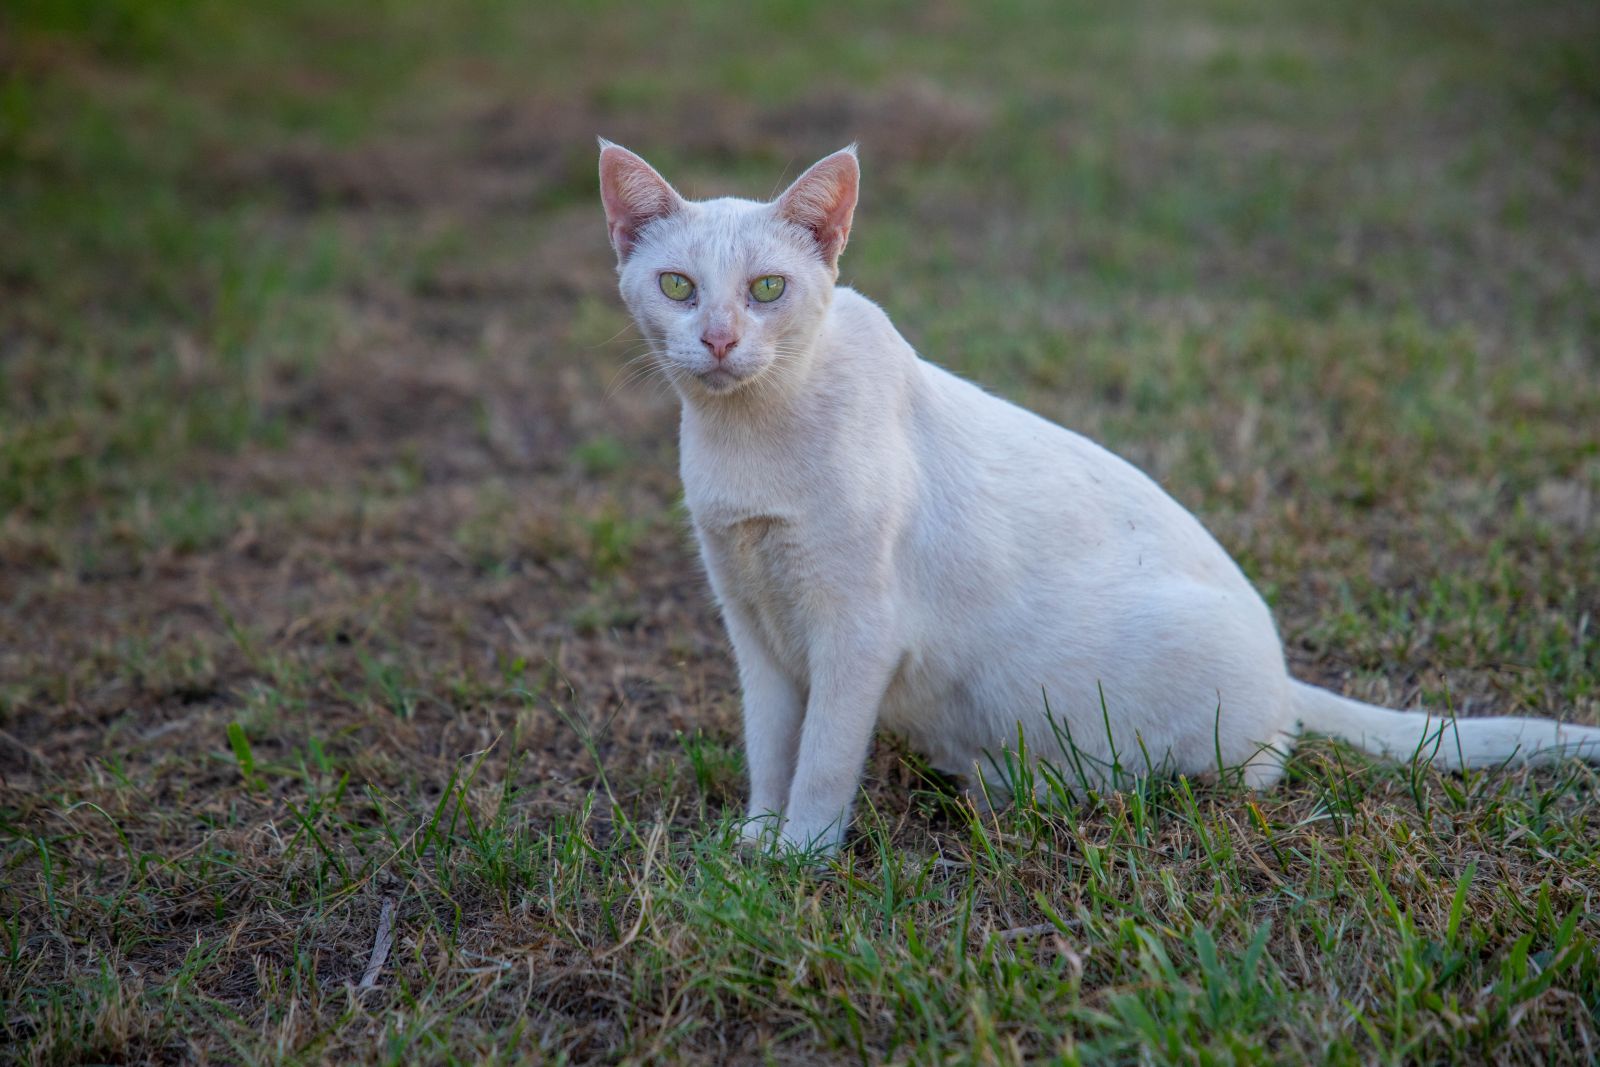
x,y
720,379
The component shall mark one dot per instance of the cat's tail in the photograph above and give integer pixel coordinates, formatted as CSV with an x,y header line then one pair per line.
x,y
1448,743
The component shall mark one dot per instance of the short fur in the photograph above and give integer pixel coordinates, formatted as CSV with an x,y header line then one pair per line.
x,y
892,545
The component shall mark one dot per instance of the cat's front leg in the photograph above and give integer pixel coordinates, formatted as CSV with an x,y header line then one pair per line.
x,y
773,705
850,674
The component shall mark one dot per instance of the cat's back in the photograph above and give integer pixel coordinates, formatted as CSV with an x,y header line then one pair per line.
x,y
1051,490
968,443
994,483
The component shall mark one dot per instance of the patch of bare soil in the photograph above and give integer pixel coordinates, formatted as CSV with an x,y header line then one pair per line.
x,y
452,399
427,519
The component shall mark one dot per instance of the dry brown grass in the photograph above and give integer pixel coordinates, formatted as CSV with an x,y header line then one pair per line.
x,y
341,565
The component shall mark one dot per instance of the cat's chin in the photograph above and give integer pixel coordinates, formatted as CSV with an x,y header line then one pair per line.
x,y
719,382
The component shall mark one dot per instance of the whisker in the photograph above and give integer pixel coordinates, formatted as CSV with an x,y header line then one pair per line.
x,y
613,337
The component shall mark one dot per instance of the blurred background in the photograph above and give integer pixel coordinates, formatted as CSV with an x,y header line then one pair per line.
x,y
287,280
314,416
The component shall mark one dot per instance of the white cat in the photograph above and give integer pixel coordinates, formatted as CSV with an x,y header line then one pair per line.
x,y
891,545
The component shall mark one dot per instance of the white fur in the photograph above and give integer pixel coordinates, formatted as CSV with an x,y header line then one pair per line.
x,y
892,545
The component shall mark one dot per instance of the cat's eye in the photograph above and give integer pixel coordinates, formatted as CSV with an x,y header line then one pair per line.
x,y
767,289
675,286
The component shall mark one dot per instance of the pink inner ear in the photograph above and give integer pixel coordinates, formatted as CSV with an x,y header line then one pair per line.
x,y
823,200
634,196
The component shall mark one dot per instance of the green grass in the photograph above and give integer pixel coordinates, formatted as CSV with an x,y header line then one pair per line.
x,y
343,568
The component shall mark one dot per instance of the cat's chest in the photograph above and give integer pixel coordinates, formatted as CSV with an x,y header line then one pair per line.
x,y
784,530
758,524
757,553
762,563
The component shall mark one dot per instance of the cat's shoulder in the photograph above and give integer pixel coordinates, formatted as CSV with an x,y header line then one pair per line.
x,y
860,314
847,301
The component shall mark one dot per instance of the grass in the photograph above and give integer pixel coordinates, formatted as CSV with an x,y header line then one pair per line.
x,y
341,576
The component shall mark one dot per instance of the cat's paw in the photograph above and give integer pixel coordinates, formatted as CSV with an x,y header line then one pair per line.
x,y
773,835
816,844
983,795
760,833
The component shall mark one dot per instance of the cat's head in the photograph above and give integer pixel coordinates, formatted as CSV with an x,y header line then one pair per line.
x,y
727,290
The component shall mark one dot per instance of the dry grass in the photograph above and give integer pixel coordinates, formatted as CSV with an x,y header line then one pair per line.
x,y
342,573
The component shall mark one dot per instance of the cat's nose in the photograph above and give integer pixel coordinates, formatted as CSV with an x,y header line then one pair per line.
x,y
720,341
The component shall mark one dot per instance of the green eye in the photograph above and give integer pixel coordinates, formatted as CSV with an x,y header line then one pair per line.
x,y
767,289
676,286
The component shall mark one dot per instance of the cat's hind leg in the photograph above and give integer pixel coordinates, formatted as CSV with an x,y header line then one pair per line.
x,y
1265,769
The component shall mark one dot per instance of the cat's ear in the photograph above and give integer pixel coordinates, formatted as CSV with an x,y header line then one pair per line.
x,y
823,199
634,195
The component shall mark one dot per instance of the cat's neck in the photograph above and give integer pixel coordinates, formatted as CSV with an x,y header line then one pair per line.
x,y
755,419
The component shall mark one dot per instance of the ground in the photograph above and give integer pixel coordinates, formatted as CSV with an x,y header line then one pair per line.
x,y
344,583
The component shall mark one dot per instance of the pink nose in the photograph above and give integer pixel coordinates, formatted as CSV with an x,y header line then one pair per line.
x,y
720,341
